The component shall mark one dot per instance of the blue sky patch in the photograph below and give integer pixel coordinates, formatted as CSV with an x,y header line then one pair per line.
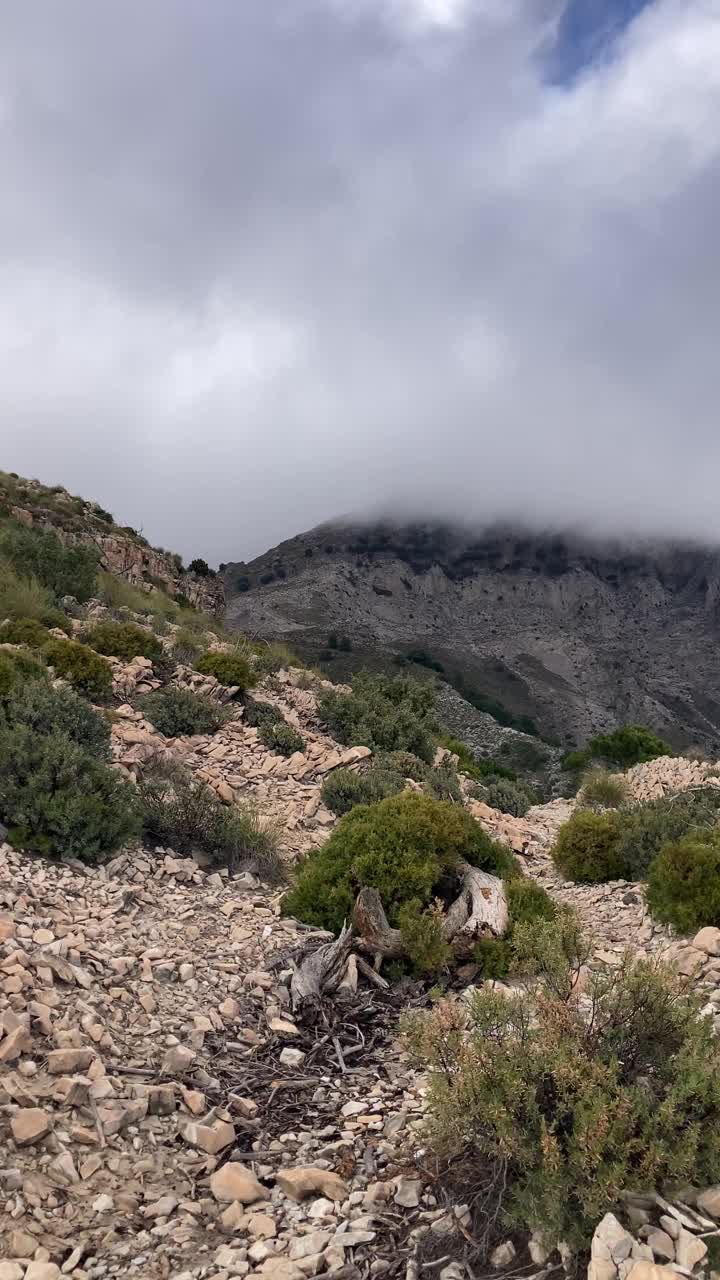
x,y
588,32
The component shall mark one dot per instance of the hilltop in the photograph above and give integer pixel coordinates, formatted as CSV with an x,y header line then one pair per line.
x,y
571,634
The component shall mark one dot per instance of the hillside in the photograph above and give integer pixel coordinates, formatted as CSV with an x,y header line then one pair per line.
x,y
578,636
242,908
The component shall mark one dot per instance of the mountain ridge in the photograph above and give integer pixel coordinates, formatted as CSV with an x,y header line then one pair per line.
x,y
579,633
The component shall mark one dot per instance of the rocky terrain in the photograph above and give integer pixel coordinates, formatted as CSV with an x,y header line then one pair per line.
x,y
576,635
122,551
166,1112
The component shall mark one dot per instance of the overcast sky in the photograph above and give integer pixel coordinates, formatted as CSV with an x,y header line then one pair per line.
x,y
263,262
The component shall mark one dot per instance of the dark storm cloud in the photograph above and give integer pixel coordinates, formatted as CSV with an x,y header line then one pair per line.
x,y
267,262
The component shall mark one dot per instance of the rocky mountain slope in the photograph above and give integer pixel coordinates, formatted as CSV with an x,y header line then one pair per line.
x,y
122,551
579,636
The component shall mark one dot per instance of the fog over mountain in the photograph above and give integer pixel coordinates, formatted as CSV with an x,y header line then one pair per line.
x,y
263,263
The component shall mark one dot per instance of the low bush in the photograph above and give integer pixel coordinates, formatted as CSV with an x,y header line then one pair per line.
x,y
45,710
270,658
404,763
587,847
547,1114
39,554
684,882
403,847
82,667
278,735
648,827
383,713
17,668
25,598
427,950
602,789
58,799
443,783
257,713
343,788
509,797
476,767
25,631
528,905
178,712
185,646
230,669
123,640
185,815
627,746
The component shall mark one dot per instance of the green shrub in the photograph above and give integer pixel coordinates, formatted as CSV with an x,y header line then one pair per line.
x,y
84,669
185,647
402,847
25,631
423,938
443,784
684,882
257,713
630,745
278,735
603,790
477,768
123,640
343,788
270,658
383,713
528,904
178,712
58,799
230,669
648,827
17,667
587,847
404,763
509,797
25,597
39,553
45,710
185,815
551,1113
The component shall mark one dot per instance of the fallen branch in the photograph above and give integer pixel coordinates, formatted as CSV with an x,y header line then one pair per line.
x,y
480,908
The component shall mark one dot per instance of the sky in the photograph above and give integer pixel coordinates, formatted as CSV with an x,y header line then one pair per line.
x,y
264,263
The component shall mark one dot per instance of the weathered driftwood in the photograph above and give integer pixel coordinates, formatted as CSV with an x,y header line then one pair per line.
x,y
374,935
323,970
479,910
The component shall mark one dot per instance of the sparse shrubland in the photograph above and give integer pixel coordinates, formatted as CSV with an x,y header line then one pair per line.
x,y
185,815
123,640
443,783
383,713
479,769
547,1114
230,669
178,712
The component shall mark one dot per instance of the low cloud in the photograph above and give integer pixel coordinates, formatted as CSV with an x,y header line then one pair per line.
x,y
266,263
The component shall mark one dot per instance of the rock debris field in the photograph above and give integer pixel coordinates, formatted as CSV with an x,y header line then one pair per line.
x,y
162,1111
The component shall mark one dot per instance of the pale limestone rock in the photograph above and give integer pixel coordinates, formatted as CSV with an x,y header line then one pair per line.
x,y
502,1255
689,1250
211,1138
708,940
30,1124
709,1202
407,1192
307,1181
233,1182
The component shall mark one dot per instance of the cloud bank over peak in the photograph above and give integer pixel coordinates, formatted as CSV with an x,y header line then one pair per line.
x,y
263,263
